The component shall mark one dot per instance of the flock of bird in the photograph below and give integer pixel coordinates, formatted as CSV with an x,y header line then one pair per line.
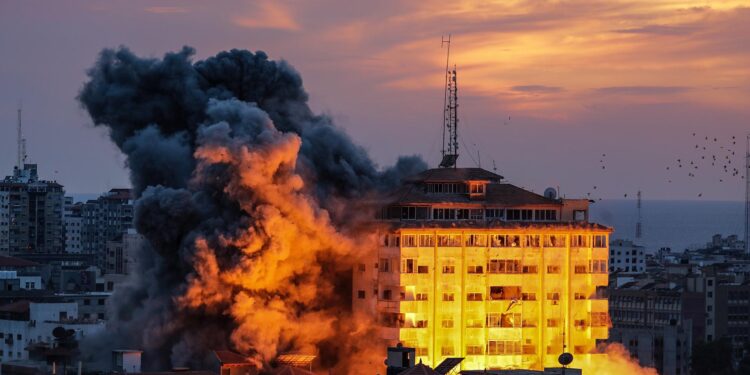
x,y
708,156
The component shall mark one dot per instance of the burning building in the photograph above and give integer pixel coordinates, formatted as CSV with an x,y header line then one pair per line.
x,y
472,266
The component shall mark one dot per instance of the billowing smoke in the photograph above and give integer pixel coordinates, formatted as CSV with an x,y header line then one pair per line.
x,y
250,205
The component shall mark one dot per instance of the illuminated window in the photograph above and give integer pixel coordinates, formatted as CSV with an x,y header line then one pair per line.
x,y
553,269
448,297
474,322
421,324
553,296
447,322
426,240
475,269
498,240
514,241
552,323
421,296
579,296
477,188
409,266
528,296
579,241
446,350
599,319
448,266
477,240
423,269
530,269
473,296
598,266
408,240
449,240
600,241
505,293
474,350
581,268
554,241
503,266
531,241
500,347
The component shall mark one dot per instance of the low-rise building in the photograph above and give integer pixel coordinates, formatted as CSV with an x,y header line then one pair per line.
x,y
626,257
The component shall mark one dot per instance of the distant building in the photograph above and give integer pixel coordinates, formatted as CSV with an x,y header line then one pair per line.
x,y
31,214
72,225
25,324
105,219
626,257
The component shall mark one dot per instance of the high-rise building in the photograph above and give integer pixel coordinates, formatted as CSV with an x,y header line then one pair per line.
x,y
105,219
471,266
122,252
31,214
72,225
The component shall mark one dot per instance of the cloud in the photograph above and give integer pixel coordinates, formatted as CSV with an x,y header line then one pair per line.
x,y
642,90
269,15
659,30
537,89
166,10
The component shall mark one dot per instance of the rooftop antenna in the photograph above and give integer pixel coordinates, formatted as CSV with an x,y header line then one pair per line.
x,y
19,141
450,112
494,167
747,194
638,227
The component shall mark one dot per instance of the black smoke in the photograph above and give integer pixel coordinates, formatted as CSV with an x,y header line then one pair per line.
x,y
157,112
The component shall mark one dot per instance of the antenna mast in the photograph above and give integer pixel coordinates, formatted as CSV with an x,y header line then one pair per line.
x,y
19,144
638,229
747,194
450,113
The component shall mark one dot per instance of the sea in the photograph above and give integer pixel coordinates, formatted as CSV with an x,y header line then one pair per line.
x,y
676,224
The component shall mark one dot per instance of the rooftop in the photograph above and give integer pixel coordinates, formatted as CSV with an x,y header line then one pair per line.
x,y
456,174
497,193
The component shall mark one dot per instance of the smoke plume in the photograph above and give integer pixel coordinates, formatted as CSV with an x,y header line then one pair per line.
x,y
249,203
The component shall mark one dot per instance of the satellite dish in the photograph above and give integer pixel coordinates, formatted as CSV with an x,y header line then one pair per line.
x,y
550,193
565,359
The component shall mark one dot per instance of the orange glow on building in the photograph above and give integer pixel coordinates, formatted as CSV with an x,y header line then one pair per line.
x,y
470,266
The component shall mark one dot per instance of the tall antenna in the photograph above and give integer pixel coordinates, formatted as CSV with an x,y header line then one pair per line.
x,y
19,142
638,229
747,194
450,112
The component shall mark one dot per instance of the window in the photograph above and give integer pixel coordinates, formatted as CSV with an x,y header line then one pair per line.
x,y
598,266
552,323
474,350
554,241
446,350
387,294
503,266
505,293
578,241
421,297
531,240
423,269
553,296
476,214
528,296
448,297
449,240
409,266
580,268
474,269
507,320
553,269
545,215
494,213
361,267
600,241
62,316
385,265
426,240
499,347
361,294
498,240
477,188
599,319
86,301
474,296
447,323
476,240
449,266
421,323
408,240
530,269
579,296
408,213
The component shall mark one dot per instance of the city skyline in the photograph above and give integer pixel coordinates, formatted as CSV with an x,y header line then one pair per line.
x,y
550,92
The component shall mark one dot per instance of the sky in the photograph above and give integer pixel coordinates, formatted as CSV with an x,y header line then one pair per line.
x,y
595,97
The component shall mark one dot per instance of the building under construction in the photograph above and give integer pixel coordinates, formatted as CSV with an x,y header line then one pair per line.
x,y
472,266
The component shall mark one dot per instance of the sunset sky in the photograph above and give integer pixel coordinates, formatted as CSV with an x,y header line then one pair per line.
x,y
546,88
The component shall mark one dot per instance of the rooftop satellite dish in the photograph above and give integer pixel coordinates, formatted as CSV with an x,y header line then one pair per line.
x,y
565,359
550,193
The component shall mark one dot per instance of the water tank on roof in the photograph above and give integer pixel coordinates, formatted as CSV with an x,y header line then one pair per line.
x,y
550,193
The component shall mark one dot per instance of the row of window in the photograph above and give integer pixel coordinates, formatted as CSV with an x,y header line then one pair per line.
x,y
493,320
493,240
495,293
494,266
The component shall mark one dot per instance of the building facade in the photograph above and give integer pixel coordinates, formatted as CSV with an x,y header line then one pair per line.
x,y
626,257
32,214
470,266
105,219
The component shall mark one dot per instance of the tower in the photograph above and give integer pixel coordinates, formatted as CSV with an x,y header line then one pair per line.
x,y
19,143
450,113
